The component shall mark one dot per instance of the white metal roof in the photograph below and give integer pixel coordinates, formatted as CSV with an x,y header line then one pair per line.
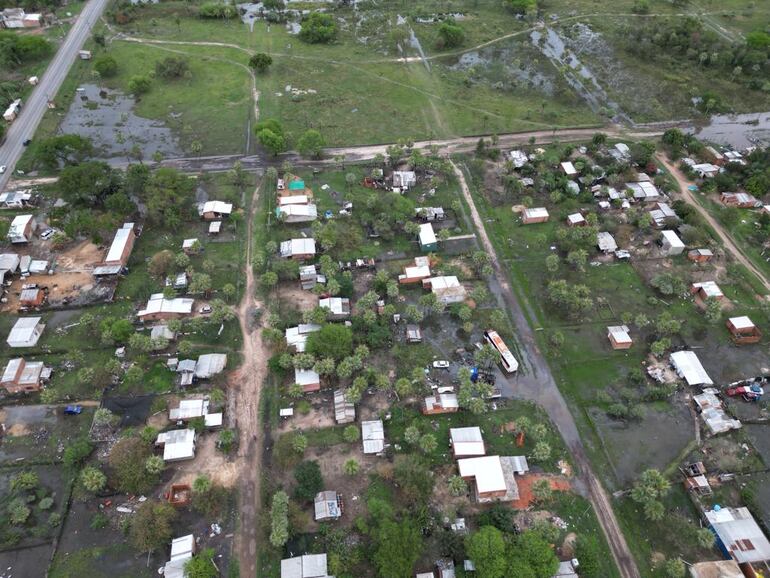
x,y
740,534
297,336
326,505
373,436
306,377
293,200
177,444
710,288
210,364
568,168
416,272
644,190
486,471
9,262
467,441
215,226
189,408
26,332
162,331
689,368
519,158
576,218
18,225
215,207
427,235
336,305
619,333
10,371
536,213
606,241
307,566
159,304
188,243
443,401
742,322
298,247
299,212
122,237
672,239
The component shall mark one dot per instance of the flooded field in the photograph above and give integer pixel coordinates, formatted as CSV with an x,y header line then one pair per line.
x,y
738,131
107,118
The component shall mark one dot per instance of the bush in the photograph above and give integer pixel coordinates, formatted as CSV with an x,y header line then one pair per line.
x,y
318,28
139,85
449,35
46,503
105,65
217,10
172,67
309,480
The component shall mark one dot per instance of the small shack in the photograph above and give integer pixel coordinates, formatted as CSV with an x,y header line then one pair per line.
x,y
700,255
606,242
569,169
534,215
298,249
328,505
438,403
576,220
417,272
688,367
707,290
743,331
413,333
447,289
427,237
308,379
466,442
619,337
20,376
670,243
344,410
21,229
338,307
178,444
373,436
26,332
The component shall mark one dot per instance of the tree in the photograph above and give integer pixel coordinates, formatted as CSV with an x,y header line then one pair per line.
x,y
202,484
25,481
154,465
151,526
577,259
260,62
541,452
428,443
674,568
457,486
587,550
104,417
522,6
88,184
713,310
18,512
139,85
93,479
450,35
414,477
351,434
397,548
63,149
318,28
127,459
487,550
77,452
332,341
272,142
648,490
309,480
279,519
532,549
542,490
552,263
202,565
105,65
311,144
169,196
172,67
141,342
351,467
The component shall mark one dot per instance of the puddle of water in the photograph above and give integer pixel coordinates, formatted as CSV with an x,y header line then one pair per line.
x,y
739,130
514,62
109,119
577,74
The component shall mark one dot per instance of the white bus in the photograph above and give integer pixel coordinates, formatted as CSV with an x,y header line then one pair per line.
x,y
507,360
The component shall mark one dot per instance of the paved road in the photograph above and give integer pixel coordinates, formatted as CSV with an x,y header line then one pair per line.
x,y
539,386
33,109
732,247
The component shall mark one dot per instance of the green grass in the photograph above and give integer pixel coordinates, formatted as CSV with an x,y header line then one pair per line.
x,y
97,562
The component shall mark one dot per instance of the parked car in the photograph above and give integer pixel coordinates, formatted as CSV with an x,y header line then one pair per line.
x,y
446,389
26,142
47,234
73,410
2,169
441,364
747,392
205,309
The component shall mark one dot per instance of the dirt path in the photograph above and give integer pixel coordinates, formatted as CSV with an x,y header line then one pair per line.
x,y
684,184
538,385
243,408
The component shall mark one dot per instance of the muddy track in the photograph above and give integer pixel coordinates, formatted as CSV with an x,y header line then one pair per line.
x,y
539,385
244,399
730,245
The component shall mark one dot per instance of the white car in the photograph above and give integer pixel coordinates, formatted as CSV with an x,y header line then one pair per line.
x,y
441,364
2,169
205,309
446,389
48,233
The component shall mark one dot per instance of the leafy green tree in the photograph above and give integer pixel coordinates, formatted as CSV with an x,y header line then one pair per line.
x,y
351,434
202,565
151,526
457,486
169,196
260,62
139,85
311,144
332,341
674,568
413,476
25,481
450,35
531,549
309,480
397,548
172,67
351,467
428,443
105,65
18,512
521,6
154,465
127,459
318,28
88,184
541,452
93,479
279,519
487,550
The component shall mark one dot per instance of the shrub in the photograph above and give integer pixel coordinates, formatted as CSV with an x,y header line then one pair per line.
x,y
318,28
105,65
172,67
309,480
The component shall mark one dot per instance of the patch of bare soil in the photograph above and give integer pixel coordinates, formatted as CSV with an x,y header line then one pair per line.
x,y
293,295
320,415
18,430
208,461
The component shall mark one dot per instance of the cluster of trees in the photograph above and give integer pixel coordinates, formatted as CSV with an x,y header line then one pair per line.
x,y
573,299
688,38
271,134
318,28
649,491
217,10
25,489
449,34
19,49
498,555
105,65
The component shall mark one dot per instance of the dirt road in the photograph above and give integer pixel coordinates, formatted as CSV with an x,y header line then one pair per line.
x,y
246,385
684,184
538,385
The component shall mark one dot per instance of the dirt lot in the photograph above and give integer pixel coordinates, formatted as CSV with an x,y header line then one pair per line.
x,y
72,281
208,461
